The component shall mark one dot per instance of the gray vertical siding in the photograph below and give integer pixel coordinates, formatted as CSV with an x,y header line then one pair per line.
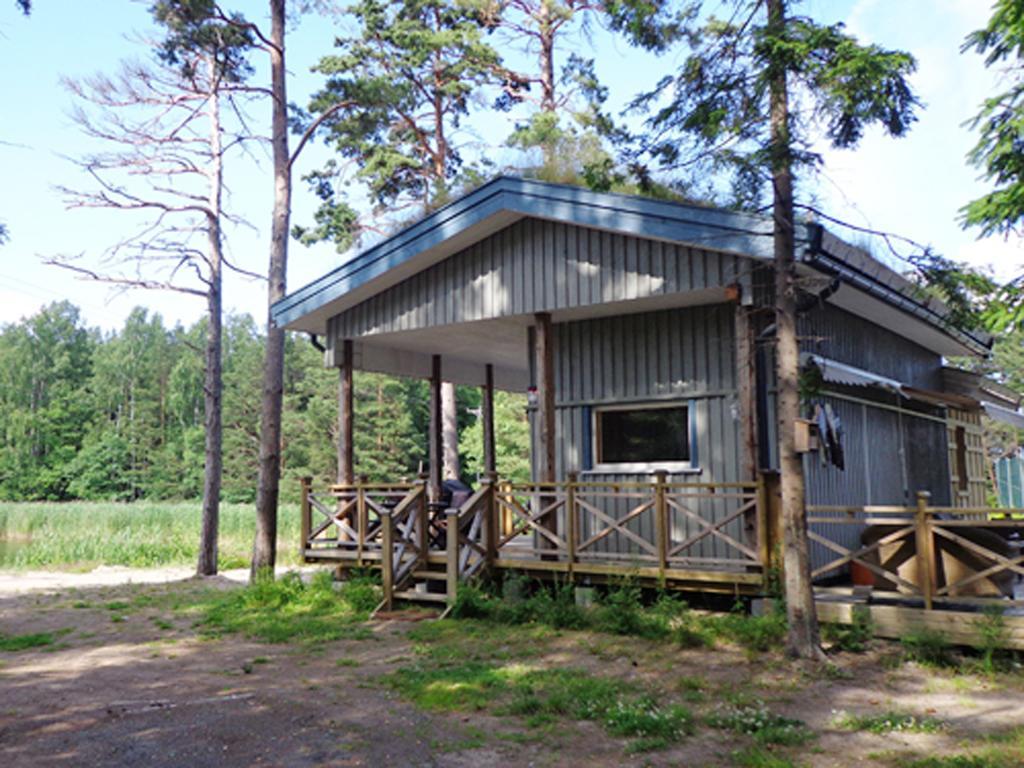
x,y
889,456
675,356
536,266
834,333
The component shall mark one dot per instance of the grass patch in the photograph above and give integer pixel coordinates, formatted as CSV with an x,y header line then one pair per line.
x,y
759,757
765,726
853,637
542,696
889,722
621,610
142,534
288,609
930,647
14,643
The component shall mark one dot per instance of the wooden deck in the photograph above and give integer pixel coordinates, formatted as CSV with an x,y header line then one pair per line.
x,y
930,566
656,531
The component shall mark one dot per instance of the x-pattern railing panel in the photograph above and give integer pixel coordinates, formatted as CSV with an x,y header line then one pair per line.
x,y
689,510
605,526
520,504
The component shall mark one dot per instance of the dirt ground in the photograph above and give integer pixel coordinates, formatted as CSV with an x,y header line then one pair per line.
x,y
141,687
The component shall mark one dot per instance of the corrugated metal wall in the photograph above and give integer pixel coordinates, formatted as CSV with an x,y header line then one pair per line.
x,y
834,333
536,266
681,355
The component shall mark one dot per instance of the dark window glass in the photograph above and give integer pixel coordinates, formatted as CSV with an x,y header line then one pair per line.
x,y
643,435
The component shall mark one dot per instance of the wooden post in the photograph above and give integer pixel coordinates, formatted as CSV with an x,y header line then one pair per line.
x,y
570,520
452,570
546,416
387,562
422,523
925,550
546,396
490,532
362,518
764,531
434,439
306,513
746,388
487,416
773,519
346,451
662,530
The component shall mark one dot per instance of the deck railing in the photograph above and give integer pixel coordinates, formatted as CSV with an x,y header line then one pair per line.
x,y
932,553
693,532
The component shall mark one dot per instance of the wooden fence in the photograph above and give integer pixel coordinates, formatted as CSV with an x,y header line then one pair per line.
x,y
939,554
653,530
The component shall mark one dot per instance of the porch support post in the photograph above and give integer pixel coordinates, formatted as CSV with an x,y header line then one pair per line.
x,y
745,391
746,388
487,415
346,471
546,415
434,438
546,396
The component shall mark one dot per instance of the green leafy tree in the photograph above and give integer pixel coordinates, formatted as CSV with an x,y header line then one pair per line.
x,y
511,440
45,365
747,100
394,100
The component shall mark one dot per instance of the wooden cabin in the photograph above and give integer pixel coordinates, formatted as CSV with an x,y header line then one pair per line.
x,y
642,330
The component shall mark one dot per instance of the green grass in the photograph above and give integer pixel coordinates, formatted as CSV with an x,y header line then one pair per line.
x,y
619,611
444,681
15,643
288,609
890,722
756,720
758,757
142,534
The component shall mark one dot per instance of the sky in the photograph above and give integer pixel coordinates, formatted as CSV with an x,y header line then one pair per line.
x,y
912,186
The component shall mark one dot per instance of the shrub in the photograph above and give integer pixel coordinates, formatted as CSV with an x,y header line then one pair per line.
x,y
930,647
852,637
992,636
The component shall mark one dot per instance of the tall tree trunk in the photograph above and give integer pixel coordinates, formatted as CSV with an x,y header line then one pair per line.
x,y
546,32
207,565
803,640
450,431
264,553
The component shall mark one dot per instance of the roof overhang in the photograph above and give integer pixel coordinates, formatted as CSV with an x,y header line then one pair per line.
x,y
493,207
1003,415
870,289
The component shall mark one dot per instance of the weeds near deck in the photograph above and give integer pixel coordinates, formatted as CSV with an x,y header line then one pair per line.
x,y
929,647
619,611
853,637
286,609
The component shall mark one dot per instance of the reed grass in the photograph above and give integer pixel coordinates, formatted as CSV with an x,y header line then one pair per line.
x,y
82,535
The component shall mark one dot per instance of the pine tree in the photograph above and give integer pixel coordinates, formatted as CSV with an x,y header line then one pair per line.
x,y
746,100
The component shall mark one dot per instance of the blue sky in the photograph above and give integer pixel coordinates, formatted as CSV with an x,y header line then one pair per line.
x,y
913,186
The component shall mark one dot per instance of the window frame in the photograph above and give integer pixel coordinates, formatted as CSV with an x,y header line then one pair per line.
x,y
691,466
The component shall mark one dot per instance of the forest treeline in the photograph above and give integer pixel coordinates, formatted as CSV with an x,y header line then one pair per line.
x,y
87,414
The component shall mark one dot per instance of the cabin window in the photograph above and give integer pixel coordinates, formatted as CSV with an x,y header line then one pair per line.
x,y
643,438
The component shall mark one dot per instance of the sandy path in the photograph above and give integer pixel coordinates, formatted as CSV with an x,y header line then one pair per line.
x,y
22,582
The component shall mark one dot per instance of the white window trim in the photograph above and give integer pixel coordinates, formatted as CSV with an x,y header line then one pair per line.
x,y
645,467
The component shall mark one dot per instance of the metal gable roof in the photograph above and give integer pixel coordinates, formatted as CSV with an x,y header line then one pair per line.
x,y
506,199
